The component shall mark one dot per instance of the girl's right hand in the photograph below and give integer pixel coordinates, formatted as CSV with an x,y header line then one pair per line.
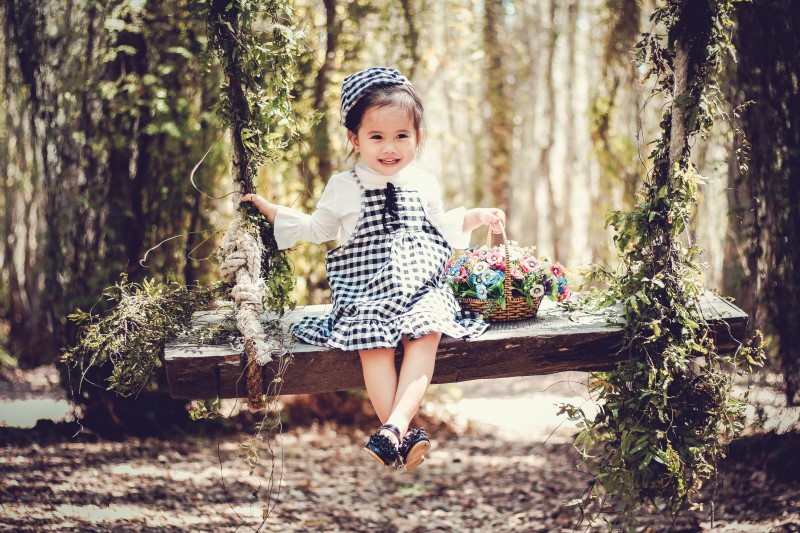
x,y
267,208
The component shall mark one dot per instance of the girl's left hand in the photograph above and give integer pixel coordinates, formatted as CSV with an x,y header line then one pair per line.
x,y
494,218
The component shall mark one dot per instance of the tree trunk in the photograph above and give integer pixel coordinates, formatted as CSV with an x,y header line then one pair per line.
x,y
765,197
550,118
572,178
500,126
322,140
412,37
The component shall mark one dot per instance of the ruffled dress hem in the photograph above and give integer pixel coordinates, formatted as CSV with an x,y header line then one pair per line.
x,y
349,334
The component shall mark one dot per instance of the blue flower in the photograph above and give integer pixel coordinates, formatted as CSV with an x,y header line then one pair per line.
x,y
477,279
562,283
461,261
452,272
481,290
494,277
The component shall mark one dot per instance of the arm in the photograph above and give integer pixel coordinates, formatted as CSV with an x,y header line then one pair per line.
x,y
267,208
484,216
466,220
292,226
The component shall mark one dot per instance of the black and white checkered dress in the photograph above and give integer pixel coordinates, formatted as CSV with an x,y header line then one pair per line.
x,y
386,280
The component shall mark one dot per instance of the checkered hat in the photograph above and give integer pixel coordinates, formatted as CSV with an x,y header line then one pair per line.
x,y
355,84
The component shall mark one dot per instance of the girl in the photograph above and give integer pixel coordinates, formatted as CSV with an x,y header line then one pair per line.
x,y
386,275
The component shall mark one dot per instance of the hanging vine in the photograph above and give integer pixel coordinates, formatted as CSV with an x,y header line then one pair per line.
x,y
663,420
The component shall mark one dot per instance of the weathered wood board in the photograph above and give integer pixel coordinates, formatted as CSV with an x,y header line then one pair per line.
x,y
552,342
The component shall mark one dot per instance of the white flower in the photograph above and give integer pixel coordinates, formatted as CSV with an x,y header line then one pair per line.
x,y
536,291
480,268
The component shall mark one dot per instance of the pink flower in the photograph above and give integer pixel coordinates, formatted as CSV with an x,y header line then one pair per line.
x,y
494,258
462,274
557,270
516,273
529,264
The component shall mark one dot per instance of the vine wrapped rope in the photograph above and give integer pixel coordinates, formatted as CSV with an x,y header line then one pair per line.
x,y
242,250
256,43
241,265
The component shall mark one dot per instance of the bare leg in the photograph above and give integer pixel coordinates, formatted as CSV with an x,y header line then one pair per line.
x,y
380,377
415,376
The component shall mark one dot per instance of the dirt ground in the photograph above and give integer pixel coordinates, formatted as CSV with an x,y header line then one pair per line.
x,y
483,474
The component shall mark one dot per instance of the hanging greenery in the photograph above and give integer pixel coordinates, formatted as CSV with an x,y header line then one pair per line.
x,y
665,418
132,335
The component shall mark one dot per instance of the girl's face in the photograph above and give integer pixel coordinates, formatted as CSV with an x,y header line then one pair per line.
x,y
386,140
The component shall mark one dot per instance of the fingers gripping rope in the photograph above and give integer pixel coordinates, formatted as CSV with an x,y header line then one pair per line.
x,y
242,252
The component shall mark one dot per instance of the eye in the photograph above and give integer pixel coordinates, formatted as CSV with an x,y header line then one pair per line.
x,y
376,137
403,136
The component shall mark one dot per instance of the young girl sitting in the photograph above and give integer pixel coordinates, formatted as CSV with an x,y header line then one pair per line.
x,y
386,276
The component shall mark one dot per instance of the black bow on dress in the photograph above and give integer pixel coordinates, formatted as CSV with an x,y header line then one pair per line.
x,y
390,212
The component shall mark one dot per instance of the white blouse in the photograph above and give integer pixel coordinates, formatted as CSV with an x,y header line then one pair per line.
x,y
338,208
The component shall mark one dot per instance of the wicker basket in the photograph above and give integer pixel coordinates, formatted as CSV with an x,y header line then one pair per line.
x,y
517,307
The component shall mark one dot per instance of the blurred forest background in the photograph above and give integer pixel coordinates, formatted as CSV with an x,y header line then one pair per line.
x,y
112,144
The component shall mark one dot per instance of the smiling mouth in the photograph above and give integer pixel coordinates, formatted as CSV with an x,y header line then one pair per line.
x,y
389,161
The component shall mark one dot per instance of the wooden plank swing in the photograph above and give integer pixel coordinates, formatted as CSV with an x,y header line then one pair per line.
x,y
554,341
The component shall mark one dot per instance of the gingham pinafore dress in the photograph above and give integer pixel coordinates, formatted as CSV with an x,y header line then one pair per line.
x,y
386,280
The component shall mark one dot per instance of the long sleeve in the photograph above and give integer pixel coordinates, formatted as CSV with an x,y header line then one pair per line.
x,y
322,225
450,223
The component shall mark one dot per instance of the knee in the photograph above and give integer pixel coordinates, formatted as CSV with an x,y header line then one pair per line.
x,y
430,340
379,354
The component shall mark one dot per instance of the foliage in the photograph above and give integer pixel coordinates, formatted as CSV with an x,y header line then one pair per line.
x,y
132,334
144,316
259,69
107,111
664,421
276,268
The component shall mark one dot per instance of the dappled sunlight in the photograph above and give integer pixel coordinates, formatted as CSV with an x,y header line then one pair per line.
x,y
523,408
534,418
25,413
79,517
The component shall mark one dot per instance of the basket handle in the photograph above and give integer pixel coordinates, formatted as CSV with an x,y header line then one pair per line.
x,y
507,278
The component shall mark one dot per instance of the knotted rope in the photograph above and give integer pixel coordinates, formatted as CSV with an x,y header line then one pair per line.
x,y
241,251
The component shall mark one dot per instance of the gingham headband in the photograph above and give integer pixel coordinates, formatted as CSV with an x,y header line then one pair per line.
x,y
355,84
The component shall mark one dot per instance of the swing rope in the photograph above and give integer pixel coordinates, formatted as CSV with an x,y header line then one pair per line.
x,y
242,252
255,104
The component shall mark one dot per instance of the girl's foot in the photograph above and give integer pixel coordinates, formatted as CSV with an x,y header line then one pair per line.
x,y
413,448
382,448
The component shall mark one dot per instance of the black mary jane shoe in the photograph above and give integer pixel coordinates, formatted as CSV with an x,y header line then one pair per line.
x,y
413,448
381,447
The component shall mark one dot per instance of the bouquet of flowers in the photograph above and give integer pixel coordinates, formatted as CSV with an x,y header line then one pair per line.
x,y
505,282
